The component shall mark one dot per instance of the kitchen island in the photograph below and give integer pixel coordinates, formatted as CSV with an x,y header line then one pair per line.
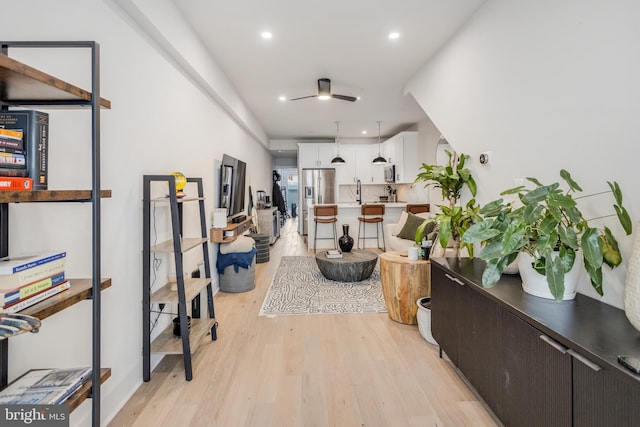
x,y
348,213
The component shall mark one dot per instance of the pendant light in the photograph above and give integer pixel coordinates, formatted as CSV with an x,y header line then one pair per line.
x,y
379,160
337,160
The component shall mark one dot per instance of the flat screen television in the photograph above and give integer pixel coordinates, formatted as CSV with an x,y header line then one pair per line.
x,y
232,185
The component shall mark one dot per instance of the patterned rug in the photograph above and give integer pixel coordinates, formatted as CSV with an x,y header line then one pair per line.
x,y
300,288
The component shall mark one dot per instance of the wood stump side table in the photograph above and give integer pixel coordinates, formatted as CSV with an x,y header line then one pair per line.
x,y
403,283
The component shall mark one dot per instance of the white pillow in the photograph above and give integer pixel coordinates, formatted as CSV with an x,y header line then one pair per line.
x,y
242,244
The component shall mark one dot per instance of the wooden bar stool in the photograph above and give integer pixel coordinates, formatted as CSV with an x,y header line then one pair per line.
x,y
417,208
325,214
371,214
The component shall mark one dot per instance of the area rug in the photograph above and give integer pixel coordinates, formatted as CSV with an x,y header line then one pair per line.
x,y
299,287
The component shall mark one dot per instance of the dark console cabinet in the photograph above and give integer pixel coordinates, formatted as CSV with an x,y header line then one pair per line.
x,y
535,362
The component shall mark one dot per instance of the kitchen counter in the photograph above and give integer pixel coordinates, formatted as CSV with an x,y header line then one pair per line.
x,y
386,204
348,214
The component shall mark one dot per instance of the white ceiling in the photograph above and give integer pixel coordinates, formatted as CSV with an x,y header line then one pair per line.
x,y
343,40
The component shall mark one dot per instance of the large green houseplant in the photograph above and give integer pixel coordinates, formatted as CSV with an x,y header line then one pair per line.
x,y
546,223
453,220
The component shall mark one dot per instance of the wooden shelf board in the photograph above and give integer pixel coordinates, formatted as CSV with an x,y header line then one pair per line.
x,y
187,244
50,196
80,290
238,229
166,343
179,200
23,84
192,288
85,391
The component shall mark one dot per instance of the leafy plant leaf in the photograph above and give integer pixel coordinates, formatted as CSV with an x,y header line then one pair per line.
x,y
567,177
555,277
568,236
623,217
617,193
535,181
610,250
491,274
590,243
491,251
480,232
539,193
444,230
514,190
513,238
595,274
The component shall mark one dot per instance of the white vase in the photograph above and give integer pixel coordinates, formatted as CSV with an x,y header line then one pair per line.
x,y
632,284
536,284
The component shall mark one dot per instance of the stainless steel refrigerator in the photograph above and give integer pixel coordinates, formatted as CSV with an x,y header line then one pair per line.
x,y
318,187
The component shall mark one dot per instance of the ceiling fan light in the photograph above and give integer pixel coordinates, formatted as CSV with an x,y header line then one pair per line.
x,y
337,160
324,97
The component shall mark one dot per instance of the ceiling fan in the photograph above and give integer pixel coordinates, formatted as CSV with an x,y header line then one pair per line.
x,y
324,92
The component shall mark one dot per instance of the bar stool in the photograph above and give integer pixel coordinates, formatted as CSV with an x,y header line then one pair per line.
x,y
371,214
417,208
325,214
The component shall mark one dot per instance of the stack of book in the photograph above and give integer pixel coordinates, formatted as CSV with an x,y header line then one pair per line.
x,y
27,280
45,386
334,254
24,146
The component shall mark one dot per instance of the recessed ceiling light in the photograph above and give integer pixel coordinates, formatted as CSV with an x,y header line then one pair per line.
x,y
394,35
364,132
266,35
282,98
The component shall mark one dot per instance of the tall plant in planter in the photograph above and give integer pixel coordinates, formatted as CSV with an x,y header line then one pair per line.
x,y
451,179
546,223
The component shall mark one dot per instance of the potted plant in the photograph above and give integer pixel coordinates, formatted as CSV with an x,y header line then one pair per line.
x,y
453,220
546,224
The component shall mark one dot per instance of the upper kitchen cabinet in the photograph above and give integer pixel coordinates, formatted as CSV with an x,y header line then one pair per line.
x,y
316,155
402,151
358,166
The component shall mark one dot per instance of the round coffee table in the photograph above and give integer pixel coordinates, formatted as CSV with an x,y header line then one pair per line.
x,y
354,266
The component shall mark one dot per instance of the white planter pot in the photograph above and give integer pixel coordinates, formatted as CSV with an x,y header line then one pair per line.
x,y
536,284
424,321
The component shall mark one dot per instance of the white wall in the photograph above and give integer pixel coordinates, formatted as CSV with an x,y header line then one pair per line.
x,y
544,85
161,120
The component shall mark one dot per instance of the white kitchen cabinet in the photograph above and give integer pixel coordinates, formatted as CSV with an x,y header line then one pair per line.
x,y
402,151
358,165
316,155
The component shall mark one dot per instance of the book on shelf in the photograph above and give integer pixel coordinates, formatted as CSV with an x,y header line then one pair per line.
x,y
11,296
31,275
334,254
45,386
34,299
12,160
35,128
17,263
14,183
14,172
11,139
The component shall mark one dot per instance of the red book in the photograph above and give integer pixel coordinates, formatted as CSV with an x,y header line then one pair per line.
x,y
15,183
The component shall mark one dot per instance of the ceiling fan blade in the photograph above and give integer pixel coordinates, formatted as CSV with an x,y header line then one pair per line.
x,y
344,97
304,97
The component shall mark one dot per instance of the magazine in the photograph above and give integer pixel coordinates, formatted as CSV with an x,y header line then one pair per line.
x,y
45,386
334,254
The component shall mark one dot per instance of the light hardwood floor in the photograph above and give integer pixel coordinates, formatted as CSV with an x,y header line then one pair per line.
x,y
309,370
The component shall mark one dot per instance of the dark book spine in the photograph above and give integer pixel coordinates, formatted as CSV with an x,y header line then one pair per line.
x,y
35,128
13,172
11,143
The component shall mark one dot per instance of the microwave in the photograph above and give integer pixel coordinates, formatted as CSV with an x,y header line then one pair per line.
x,y
390,173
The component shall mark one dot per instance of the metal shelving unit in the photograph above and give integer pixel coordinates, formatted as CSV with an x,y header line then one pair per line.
x,y
22,85
187,290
